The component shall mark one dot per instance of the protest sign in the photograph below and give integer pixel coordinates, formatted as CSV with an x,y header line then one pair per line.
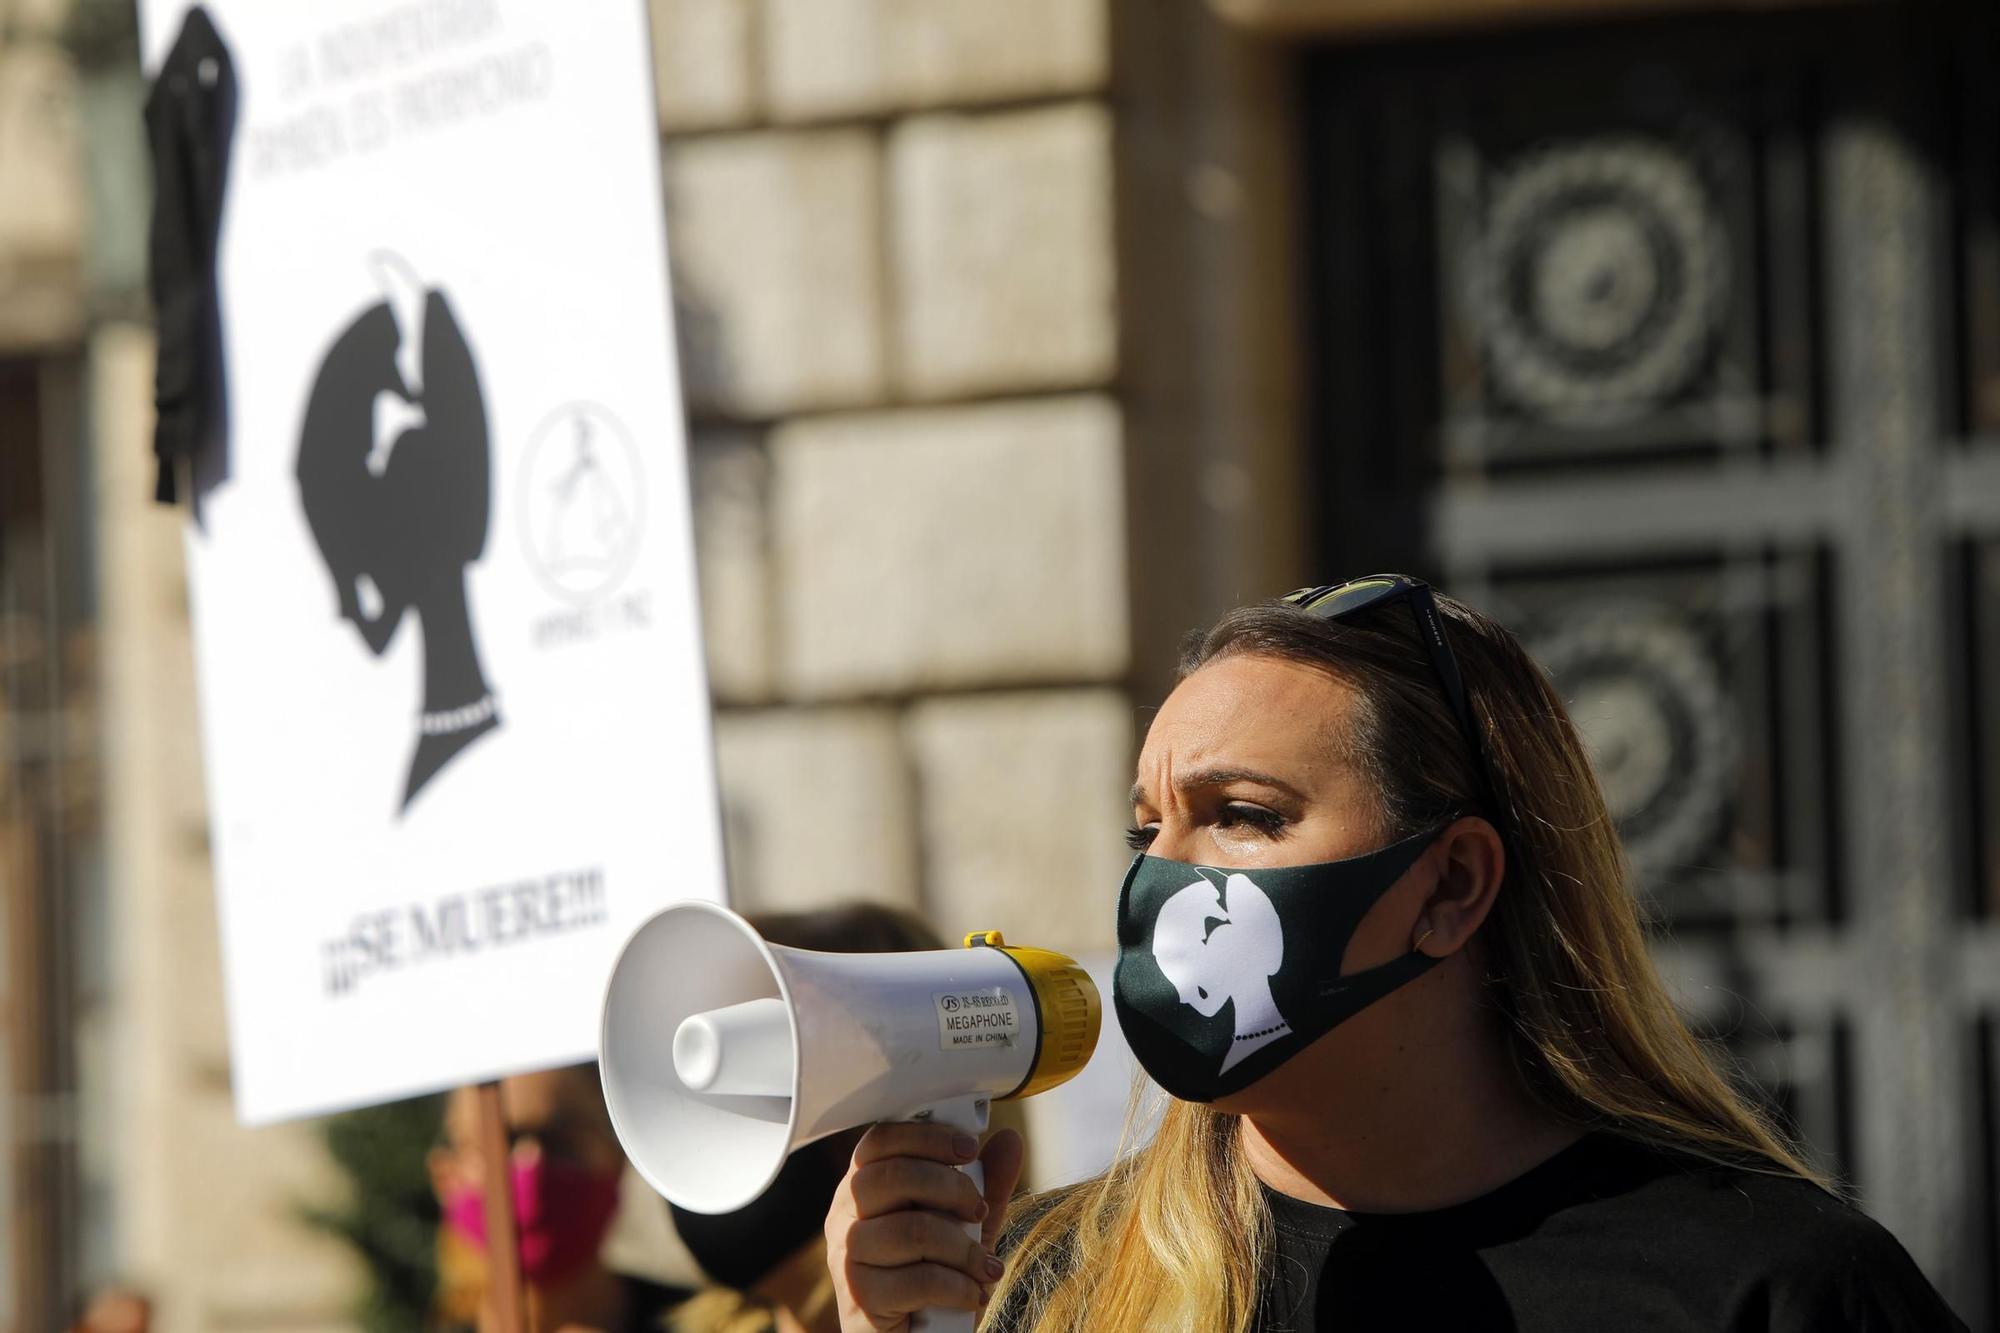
x,y
454,716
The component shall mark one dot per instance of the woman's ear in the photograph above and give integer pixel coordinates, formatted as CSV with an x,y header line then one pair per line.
x,y
1471,862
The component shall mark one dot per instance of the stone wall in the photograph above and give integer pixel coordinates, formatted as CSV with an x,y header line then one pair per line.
x,y
890,223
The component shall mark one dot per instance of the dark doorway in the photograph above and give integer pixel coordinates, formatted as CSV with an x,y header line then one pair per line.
x,y
48,826
1676,344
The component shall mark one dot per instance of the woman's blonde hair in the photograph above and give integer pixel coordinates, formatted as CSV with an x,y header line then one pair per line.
x,y
1175,1234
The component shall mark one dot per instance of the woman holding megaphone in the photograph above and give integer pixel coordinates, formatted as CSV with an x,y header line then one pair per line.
x,y
1380,947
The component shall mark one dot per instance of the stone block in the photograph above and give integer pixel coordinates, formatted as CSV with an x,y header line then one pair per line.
x,y
42,210
817,808
825,58
731,536
701,63
1003,264
777,284
1023,800
42,203
948,52
867,57
40,18
949,547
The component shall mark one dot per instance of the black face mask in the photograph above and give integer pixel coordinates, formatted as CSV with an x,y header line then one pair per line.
x,y
738,1249
1223,975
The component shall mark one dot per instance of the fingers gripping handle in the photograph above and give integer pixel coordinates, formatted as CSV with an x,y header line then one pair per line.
x,y
968,1114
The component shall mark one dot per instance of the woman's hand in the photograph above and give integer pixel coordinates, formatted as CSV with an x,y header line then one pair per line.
x,y
895,1236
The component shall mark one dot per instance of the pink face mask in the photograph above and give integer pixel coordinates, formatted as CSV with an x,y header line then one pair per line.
x,y
561,1211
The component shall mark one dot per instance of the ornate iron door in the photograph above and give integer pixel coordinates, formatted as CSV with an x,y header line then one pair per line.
x,y
1677,345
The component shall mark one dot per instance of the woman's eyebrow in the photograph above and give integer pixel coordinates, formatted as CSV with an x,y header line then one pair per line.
x,y
1221,777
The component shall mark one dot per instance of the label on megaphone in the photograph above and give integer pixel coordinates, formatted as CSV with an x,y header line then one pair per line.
x,y
970,1019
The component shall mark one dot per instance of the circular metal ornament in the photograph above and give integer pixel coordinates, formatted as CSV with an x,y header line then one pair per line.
x,y
1600,278
1646,696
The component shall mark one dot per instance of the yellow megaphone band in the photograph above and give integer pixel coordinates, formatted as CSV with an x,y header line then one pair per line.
x,y
1068,1012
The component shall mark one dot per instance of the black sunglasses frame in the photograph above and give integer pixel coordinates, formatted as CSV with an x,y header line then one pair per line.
x,y
1366,594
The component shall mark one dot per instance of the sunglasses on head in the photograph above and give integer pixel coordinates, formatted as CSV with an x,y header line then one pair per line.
x,y
1341,601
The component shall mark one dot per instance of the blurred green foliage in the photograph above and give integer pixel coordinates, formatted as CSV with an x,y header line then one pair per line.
x,y
391,1216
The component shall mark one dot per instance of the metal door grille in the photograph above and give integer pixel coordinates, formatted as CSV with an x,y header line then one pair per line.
x,y
1677,345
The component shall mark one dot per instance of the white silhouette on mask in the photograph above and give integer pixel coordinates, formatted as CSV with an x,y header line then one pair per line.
x,y
1215,947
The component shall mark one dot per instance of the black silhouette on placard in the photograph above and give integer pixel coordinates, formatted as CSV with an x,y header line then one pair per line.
x,y
395,474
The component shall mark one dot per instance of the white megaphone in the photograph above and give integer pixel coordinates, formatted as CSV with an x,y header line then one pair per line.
x,y
721,1053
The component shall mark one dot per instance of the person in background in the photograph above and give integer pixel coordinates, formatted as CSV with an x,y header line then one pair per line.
x,y
768,1260
115,1310
565,1165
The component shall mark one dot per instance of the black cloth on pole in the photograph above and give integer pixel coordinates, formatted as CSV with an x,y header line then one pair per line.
x,y
190,127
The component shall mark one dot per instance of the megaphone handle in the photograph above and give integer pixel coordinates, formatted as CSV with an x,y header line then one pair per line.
x,y
969,1114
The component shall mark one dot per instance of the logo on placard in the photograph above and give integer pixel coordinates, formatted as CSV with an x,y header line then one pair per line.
x,y
582,509
395,476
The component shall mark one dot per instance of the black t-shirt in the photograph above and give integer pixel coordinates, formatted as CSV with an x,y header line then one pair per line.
x,y
1605,1236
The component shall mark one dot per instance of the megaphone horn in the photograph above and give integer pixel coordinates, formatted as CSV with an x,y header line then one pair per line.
x,y
721,1053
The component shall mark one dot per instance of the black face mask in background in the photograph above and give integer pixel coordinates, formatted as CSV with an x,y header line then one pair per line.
x,y
738,1249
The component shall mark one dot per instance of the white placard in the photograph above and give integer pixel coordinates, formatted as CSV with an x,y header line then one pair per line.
x,y
453,707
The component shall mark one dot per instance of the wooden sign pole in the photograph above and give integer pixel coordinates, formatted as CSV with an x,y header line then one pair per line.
x,y
503,1255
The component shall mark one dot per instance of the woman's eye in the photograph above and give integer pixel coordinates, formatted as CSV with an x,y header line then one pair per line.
x,y
1140,838
1238,815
